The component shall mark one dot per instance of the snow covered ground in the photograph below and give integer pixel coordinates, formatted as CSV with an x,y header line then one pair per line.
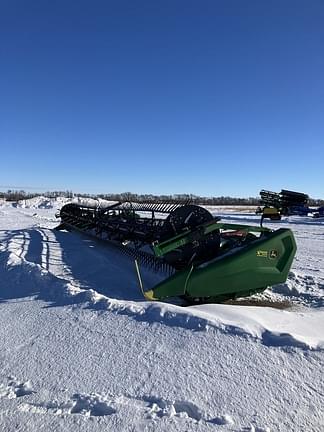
x,y
81,350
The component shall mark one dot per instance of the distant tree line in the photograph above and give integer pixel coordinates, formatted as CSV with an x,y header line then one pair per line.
x,y
16,195
222,200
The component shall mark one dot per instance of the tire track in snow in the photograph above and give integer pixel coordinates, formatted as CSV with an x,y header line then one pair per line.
x,y
18,244
52,256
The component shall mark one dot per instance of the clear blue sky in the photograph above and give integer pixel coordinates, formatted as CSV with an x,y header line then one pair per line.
x,y
210,97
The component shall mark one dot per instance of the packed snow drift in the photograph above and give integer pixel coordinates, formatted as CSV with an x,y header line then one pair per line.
x,y
81,349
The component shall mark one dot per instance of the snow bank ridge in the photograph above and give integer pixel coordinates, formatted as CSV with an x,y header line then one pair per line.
x,y
23,278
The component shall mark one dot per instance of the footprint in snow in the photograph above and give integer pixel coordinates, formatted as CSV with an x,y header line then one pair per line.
x,y
15,389
222,420
161,408
83,404
183,409
97,405
91,405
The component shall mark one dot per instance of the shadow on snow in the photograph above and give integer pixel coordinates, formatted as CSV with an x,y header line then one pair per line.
x,y
54,257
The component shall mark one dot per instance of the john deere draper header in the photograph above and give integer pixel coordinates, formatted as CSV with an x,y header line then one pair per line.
x,y
201,257
284,203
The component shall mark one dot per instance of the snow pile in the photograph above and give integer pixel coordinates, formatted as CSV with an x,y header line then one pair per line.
x,y
93,202
272,326
39,202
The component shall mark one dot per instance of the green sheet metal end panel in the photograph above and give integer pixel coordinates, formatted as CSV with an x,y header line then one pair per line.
x,y
263,263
